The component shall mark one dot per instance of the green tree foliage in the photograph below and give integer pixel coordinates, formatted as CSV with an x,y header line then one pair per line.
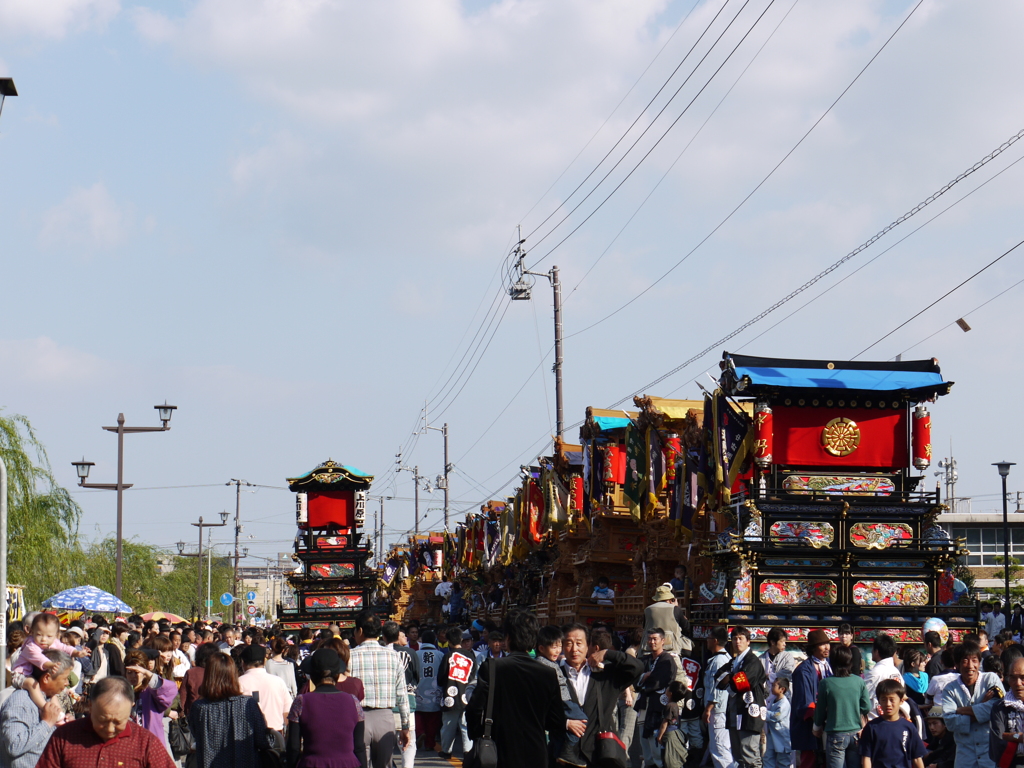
x,y
46,555
42,516
145,588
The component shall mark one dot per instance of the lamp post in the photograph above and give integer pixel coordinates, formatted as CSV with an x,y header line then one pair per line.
x,y
199,563
238,530
1004,470
83,467
6,89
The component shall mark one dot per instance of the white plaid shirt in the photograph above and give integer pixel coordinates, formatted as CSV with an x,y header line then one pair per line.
x,y
383,678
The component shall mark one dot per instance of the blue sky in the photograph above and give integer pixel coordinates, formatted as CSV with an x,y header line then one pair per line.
x,y
281,216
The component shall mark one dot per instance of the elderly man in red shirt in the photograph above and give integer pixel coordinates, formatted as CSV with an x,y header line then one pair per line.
x,y
106,737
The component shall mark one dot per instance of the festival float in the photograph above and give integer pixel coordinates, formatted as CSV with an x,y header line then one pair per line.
x,y
334,581
833,524
791,495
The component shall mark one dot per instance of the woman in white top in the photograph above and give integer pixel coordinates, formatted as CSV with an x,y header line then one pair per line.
x,y
279,666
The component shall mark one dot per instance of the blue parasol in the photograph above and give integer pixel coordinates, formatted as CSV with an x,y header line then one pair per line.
x,y
86,598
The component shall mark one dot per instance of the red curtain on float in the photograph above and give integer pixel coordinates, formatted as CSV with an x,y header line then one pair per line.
x,y
878,437
334,507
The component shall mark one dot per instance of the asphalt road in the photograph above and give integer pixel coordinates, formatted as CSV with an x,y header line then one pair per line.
x,y
431,760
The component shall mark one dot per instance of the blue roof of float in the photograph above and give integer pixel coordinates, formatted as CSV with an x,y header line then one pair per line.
x,y
911,380
868,381
611,422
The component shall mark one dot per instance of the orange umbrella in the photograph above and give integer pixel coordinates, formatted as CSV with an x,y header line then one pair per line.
x,y
160,616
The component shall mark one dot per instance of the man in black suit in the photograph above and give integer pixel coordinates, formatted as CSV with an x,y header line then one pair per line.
x,y
595,669
746,681
527,701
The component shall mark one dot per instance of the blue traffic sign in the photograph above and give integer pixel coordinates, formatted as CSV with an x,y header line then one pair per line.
x,y
250,595
227,598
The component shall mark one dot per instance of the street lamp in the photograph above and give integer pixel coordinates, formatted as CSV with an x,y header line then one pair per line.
x,y
1004,470
83,467
199,563
6,89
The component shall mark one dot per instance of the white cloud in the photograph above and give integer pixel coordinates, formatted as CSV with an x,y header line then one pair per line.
x,y
55,18
268,161
89,219
44,362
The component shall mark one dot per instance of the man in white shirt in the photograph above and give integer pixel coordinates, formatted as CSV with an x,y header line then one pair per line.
x,y
883,652
938,683
574,662
996,623
270,692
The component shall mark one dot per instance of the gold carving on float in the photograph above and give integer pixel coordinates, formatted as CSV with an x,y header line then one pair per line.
x,y
841,436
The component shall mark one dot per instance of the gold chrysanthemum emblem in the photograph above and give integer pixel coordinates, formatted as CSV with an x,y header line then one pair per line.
x,y
841,436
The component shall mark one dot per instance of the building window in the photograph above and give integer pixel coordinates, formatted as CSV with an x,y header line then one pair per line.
x,y
986,544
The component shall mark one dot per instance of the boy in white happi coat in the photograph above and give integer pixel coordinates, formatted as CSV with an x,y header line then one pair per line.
x,y
778,747
967,705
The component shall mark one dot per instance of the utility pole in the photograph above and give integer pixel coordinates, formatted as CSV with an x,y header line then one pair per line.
x,y
947,471
238,530
380,531
520,291
416,477
199,557
441,483
376,553
447,468
556,288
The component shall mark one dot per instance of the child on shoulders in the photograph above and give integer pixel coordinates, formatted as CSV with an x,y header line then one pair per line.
x,y
42,638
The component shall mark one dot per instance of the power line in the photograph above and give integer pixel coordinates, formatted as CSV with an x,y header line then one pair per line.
x,y
656,143
943,296
164,488
534,371
966,314
870,241
637,119
612,113
680,155
476,365
881,253
760,183
502,411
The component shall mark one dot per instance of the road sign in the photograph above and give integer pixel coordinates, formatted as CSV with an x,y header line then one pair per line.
x,y
250,595
209,603
227,598
252,610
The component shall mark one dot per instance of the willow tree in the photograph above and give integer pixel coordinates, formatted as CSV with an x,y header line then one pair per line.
x,y
43,552
145,587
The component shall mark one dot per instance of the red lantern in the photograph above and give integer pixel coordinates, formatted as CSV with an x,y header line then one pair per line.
x,y
764,445
921,438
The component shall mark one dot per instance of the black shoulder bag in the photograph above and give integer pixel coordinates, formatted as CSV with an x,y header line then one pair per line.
x,y
484,753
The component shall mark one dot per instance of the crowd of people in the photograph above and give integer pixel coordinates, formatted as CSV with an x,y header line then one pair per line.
x,y
207,695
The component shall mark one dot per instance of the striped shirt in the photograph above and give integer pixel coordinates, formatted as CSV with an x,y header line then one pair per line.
x,y
383,678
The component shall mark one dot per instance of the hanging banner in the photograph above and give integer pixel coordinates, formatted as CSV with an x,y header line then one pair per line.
x,y
635,488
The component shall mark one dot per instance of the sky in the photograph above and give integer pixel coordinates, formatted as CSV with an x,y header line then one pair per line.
x,y
293,220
